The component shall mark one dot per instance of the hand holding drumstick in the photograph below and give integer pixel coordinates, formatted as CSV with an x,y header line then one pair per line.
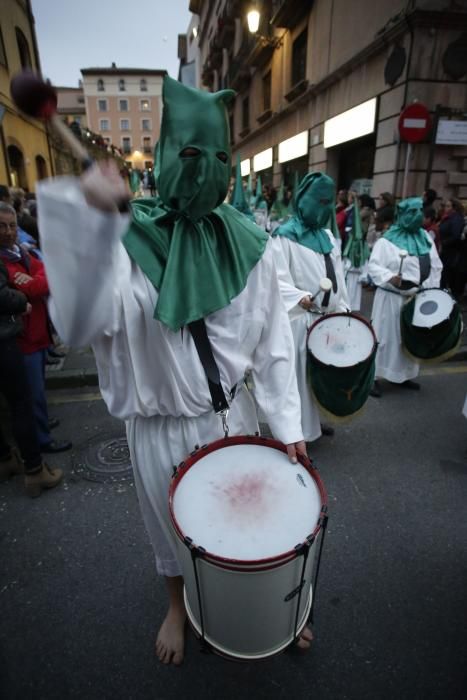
x,y
396,281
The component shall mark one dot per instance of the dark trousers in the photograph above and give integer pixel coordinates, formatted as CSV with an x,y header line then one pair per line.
x,y
15,387
35,370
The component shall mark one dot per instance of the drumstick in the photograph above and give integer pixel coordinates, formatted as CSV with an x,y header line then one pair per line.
x,y
325,285
402,254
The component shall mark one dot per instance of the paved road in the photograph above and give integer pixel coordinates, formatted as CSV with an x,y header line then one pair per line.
x,y
80,602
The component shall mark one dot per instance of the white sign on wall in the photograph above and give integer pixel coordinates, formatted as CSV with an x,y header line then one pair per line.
x,y
451,133
352,124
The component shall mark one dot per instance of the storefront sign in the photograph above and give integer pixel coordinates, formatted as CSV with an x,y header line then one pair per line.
x,y
414,123
451,133
245,167
352,124
294,147
262,160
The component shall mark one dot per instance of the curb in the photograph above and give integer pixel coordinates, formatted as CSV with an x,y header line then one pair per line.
x,y
71,379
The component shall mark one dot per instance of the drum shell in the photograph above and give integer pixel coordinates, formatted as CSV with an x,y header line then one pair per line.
x,y
430,344
341,391
256,598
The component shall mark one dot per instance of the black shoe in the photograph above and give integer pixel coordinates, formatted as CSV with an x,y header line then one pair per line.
x,y
53,423
327,430
56,446
376,390
56,353
409,384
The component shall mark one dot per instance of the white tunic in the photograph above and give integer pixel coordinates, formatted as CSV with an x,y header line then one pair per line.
x,y
300,271
354,276
391,362
150,376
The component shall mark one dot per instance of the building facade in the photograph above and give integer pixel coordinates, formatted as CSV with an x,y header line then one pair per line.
x,y
25,152
124,106
322,84
71,105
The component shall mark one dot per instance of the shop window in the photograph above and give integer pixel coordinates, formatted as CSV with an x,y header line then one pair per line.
x,y
245,113
100,85
23,48
267,91
299,58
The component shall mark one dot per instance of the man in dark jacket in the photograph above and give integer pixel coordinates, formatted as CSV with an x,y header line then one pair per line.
x,y
14,386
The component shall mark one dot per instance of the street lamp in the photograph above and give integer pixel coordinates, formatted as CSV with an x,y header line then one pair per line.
x,y
253,20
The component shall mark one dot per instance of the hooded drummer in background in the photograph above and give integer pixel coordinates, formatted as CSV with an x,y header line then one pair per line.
x,y
306,252
402,261
130,285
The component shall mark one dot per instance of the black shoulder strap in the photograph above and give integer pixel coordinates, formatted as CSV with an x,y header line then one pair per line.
x,y
331,274
203,346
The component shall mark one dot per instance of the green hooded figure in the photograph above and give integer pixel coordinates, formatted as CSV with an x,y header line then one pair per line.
x,y
250,197
279,208
135,181
237,198
356,250
196,251
291,205
313,205
260,202
407,232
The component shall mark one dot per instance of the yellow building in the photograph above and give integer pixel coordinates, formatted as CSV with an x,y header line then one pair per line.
x,y
25,155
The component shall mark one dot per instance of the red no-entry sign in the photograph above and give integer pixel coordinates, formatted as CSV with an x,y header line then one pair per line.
x,y
414,123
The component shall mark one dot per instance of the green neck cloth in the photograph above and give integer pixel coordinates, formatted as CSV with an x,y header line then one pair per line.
x,y
356,250
406,233
313,204
196,251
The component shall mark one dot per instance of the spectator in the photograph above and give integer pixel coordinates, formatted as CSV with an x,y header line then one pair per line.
x,y
27,274
25,221
14,386
5,194
451,228
341,214
430,225
429,197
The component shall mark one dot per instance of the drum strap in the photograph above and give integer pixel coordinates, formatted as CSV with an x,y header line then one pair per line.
x,y
425,267
331,274
203,346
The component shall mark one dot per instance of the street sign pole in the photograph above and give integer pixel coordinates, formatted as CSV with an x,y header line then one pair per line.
x,y
408,156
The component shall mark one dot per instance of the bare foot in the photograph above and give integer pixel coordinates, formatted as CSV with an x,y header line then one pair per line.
x,y
305,639
171,638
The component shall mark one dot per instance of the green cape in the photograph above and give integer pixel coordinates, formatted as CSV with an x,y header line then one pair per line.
x,y
356,250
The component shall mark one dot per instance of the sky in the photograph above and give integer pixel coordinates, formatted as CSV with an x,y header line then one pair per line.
x,y
75,34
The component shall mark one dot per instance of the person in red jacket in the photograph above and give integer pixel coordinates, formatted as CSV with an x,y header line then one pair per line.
x,y
27,275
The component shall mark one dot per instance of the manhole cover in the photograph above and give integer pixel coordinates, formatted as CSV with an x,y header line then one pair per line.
x,y
105,460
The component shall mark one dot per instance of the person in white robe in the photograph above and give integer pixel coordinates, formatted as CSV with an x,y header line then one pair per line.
x,y
305,253
130,287
402,261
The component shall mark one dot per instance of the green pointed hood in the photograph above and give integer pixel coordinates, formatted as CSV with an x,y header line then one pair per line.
x,y
279,208
356,250
196,251
407,232
260,202
313,204
237,198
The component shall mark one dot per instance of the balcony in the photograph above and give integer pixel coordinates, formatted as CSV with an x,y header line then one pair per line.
x,y
288,13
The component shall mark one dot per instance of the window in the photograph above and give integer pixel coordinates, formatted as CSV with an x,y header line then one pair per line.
x,y
145,105
121,85
100,85
102,105
104,125
80,100
126,144
3,60
143,86
299,58
267,91
124,125
147,148
145,125
123,105
246,113
23,48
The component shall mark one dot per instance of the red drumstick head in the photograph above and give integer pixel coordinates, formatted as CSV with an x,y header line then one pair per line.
x,y
33,96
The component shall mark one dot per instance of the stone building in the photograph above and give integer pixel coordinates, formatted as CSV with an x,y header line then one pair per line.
x,y
322,83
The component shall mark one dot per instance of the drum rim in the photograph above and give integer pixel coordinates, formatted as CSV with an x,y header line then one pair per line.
x,y
346,314
247,564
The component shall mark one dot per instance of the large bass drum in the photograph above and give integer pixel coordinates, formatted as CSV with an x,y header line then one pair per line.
x,y
431,325
248,525
341,362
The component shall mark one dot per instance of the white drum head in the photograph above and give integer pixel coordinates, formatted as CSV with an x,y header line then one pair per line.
x,y
341,341
246,502
432,306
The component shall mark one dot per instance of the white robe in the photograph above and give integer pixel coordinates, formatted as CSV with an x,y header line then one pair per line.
x,y
391,362
300,271
150,376
354,276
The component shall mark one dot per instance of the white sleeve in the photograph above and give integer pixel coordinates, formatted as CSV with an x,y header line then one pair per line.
x,y
291,294
80,246
377,269
273,372
342,301
434,279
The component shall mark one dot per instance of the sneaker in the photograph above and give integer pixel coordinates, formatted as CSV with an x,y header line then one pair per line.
x,y
56,446
11,466
46,478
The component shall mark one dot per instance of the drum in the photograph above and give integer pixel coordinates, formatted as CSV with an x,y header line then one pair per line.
x,y
248,524
431,325
341,362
